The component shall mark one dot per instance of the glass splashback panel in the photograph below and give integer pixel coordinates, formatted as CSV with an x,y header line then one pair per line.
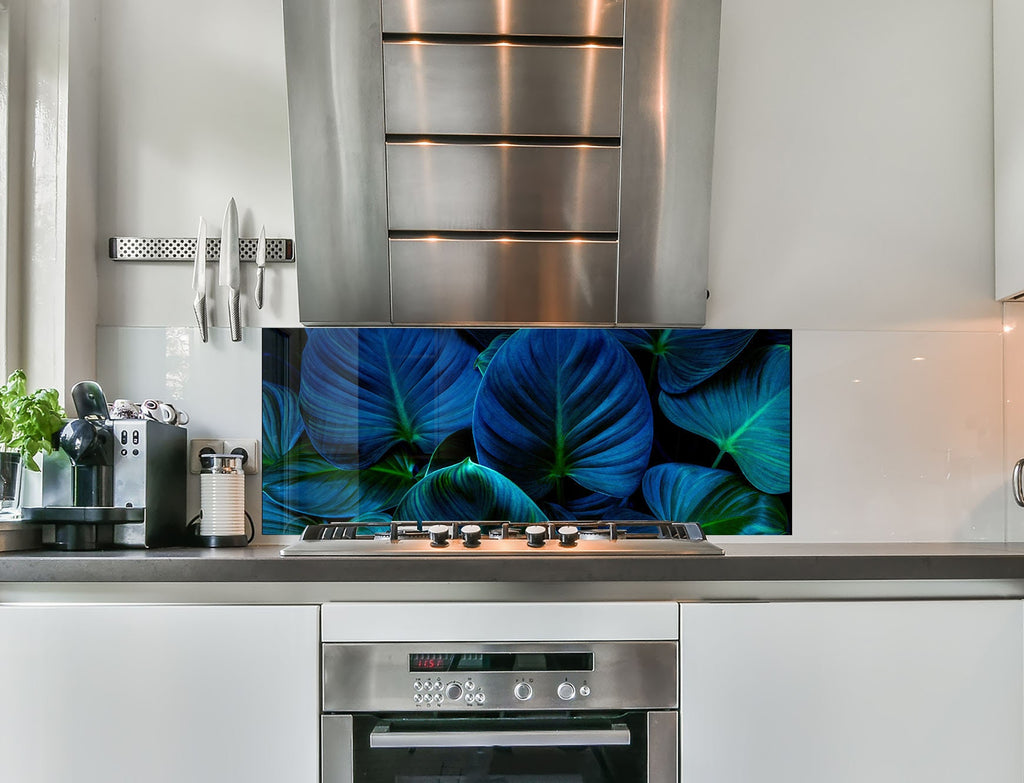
x,y
531,424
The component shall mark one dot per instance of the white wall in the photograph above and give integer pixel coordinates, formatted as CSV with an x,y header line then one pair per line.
x,y
852,203
193,112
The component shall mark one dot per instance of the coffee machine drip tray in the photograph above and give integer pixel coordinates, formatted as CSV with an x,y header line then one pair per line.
x,y
78,528
91,515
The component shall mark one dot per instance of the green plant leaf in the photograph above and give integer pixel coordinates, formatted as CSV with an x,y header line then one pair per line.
x,y
720,501
28,421
745,411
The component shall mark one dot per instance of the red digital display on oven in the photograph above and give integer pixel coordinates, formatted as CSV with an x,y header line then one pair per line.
x,y
430,662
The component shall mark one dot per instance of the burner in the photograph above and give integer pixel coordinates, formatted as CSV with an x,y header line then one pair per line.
x,y
492,538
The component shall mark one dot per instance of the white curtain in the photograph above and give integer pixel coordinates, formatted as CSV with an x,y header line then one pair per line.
x,y
48,133
5,114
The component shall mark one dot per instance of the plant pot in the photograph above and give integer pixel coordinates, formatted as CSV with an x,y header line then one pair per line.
x,y
11,470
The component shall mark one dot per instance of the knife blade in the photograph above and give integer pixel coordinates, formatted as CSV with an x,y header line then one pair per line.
x,y
229,273
199,281
261,262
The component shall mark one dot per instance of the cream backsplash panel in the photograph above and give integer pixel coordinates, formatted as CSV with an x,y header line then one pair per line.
x,y
897,436
1013,393
216,383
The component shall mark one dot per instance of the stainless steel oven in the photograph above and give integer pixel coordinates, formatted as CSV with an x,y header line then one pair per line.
x,y
517,712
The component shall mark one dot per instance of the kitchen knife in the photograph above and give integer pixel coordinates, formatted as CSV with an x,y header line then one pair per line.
x,y
229,274
199,281
261,262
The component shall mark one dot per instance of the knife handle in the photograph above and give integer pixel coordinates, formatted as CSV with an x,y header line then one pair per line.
x,y
199,306
258,293
234,317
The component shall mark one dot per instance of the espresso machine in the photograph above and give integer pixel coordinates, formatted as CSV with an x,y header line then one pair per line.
x,y
112,482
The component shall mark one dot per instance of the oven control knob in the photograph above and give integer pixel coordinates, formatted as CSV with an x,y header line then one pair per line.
x,y
584,690
438,535
453,691
566,691
568,535
535,535
470,535
522,691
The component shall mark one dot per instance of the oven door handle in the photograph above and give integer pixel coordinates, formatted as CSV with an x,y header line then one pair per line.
x,y
383,737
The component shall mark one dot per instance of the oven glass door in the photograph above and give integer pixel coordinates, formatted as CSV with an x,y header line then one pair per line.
x,y
604,748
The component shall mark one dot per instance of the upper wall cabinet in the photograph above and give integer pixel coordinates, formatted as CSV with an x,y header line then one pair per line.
x,y
502,161
1008,105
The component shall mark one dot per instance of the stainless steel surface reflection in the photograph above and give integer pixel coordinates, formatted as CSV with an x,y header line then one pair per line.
x,y
494,88
595,18
508,117
503,281
625,675
502,187
336,121
668,137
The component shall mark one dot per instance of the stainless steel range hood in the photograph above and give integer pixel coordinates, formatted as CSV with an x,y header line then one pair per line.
x,y
502,161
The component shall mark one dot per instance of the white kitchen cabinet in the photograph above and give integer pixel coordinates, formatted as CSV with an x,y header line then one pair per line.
x,y
1008,132
852,692
161,694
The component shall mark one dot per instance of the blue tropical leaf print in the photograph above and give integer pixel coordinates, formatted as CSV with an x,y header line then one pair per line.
x,y
468,491
452,450
720,501
282,422
746,413
594,505
365,391
306,483
687,357
278,520
560,404
633,338
487,353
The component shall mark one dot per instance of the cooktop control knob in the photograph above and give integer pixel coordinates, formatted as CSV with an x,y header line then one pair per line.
x,y
522,691
568,535
438,535
566,691
453,691
470,535
535,535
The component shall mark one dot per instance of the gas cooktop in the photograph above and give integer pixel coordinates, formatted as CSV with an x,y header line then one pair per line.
x,y
468,539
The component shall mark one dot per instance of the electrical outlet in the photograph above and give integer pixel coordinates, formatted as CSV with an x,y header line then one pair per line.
x,y
249,449
199,446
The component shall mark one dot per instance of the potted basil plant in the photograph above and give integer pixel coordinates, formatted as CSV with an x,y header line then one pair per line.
x,y
28,423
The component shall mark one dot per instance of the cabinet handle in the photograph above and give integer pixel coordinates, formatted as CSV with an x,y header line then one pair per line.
x,y
1018,487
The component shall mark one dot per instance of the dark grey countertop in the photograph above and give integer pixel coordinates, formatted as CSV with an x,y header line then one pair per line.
x,y
742,562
